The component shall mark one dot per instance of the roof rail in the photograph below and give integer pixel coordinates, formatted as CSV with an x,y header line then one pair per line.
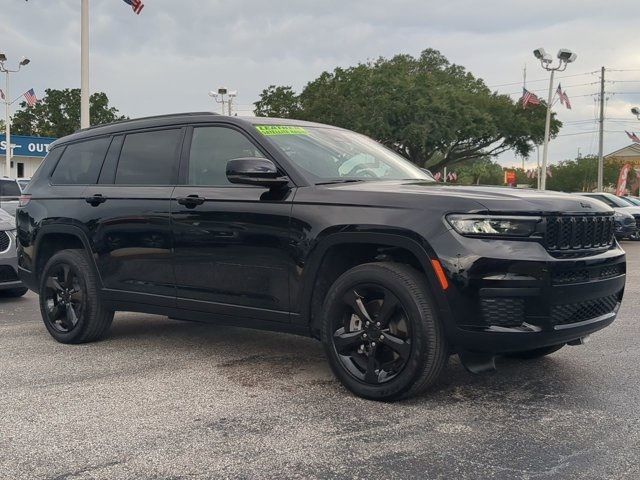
x,y
128,120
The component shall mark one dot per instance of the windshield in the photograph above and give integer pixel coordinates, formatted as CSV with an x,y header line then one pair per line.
x,y
633,201
333,155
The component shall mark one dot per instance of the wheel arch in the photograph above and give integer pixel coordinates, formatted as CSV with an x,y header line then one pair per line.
x,y
54,238
357,248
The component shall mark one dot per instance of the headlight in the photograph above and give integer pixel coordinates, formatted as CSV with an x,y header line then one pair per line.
x,y
618,215
493,225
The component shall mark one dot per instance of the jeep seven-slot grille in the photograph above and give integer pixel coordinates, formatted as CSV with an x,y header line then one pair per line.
x,y
579,232
4,241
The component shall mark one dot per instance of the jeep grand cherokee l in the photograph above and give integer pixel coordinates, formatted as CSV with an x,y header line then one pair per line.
x,y
315,230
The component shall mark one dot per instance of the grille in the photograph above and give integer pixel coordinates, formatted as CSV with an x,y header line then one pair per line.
x,y
582,275
581,311
7,274
579,232
503,312
4,241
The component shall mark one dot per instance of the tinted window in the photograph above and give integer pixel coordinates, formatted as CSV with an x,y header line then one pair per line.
x,y
81,163
9,189
149,158
211,149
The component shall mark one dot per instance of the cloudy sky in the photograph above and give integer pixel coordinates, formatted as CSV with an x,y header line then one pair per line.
x,y
169,57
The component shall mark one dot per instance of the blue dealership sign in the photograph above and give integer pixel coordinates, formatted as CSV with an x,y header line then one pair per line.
x,y
26,146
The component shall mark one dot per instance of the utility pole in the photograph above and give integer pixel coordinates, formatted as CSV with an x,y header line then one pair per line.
x,y
84,67
7,104
601,133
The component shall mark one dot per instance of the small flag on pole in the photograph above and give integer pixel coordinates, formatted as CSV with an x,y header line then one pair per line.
x,y
567,103
529,98
633,136
136,5
2,95
560,94
30,97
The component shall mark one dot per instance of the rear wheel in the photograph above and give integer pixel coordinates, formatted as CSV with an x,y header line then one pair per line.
x,y
380,332
536,353
69,300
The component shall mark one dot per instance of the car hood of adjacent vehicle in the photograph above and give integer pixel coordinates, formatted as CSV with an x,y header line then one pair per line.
x,y
484,198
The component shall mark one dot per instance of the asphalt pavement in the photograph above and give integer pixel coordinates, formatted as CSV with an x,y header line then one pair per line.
x,y
163,399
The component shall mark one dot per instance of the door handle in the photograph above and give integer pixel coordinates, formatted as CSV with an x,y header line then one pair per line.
x,y
191,201
95,200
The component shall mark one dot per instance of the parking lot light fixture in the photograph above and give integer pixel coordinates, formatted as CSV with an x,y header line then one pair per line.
x,y
24,61
636,111
565,57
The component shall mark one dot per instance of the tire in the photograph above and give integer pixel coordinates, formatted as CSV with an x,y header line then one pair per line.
x,y
411,349
14,292
536,353
69,299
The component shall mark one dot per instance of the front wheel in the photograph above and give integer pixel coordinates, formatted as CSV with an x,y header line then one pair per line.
x,y
69,300
381,333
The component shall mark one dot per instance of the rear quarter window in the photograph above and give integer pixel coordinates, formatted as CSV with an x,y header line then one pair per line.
x,y
81,163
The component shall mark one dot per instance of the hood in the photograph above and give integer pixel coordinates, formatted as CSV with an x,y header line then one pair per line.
x,y
486,198
7,222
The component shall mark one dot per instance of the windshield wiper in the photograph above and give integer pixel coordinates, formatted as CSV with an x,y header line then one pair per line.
x,y
341,180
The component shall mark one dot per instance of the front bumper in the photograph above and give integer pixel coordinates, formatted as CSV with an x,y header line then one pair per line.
x,y
623,231
508,296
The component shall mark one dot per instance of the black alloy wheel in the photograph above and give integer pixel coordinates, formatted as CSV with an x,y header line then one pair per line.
x,y
381,333
64,298
372,337
69,299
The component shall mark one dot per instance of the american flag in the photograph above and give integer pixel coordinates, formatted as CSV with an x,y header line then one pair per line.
x,y
633,136
529,98
560,94
567,103
136,5
2,95
30,97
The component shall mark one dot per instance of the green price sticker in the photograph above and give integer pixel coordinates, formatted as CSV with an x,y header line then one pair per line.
x,y
270,130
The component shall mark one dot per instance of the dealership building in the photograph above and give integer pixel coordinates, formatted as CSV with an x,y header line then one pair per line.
x,y
27,154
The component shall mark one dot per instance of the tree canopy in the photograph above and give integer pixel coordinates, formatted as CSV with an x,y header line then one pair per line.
x,y
58,114
431,111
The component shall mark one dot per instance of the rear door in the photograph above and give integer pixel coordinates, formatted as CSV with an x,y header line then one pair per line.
x,y
131,222
231,241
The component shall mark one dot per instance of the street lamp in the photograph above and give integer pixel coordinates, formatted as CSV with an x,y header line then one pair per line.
x,y
219,97
7,104
636,111
565,57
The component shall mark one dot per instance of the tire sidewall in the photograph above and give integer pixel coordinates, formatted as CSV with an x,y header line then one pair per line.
x,y
421,344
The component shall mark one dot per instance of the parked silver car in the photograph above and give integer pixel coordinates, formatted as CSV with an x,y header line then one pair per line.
x,y
10,285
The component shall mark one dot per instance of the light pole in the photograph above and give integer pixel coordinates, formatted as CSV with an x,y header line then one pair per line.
x,y
84,65
219,98
566,57
7,104
636,111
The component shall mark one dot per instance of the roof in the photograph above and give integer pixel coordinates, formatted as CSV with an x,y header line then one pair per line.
x,y
632,150
177,119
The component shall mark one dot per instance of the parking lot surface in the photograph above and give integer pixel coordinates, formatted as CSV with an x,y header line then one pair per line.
x,y
166,399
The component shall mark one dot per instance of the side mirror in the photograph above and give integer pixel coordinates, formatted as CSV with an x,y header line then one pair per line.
x,y
255,171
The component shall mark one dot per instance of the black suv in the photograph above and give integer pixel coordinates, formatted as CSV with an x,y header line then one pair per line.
x,y
315,230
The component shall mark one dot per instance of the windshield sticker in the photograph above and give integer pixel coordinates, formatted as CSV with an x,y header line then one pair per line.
x,y
270,130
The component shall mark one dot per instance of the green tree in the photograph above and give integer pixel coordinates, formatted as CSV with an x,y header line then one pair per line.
x,y
277,102
482,171
58,114
431,111
581,175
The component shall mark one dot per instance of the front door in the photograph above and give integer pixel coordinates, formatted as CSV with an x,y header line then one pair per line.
x,y
231,242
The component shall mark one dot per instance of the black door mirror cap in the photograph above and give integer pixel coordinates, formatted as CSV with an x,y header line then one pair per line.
x,y
255,171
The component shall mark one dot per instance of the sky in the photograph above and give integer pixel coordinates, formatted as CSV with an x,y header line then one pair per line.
x,y
171,55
